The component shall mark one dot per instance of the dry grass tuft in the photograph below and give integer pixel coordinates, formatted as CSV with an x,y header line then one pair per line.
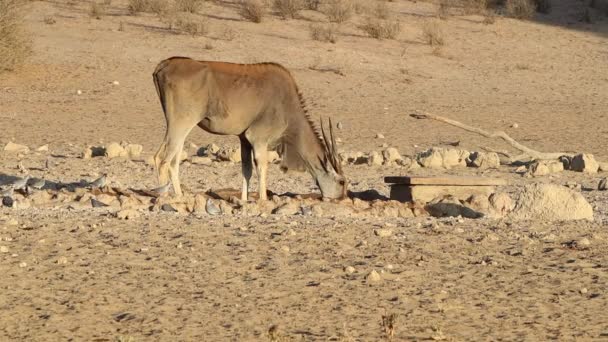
x,y
312,5
443,9
381,10
252,10
190,6
432,33
288,8
136,6
544,6
475,6
324,32
96,11
381,29
520,9
389,324
14,41
339,11
49,20
187,24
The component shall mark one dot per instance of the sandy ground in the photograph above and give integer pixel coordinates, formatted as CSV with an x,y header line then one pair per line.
x,y
85,275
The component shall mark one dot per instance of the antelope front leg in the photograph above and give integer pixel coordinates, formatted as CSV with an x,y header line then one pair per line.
x,y
261,162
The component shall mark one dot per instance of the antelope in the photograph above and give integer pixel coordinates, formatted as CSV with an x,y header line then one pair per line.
x,y
259,103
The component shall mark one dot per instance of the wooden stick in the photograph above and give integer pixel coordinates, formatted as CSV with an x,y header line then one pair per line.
x,y
499,134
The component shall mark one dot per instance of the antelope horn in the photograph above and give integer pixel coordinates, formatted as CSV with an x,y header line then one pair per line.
x,y
327,142
334,152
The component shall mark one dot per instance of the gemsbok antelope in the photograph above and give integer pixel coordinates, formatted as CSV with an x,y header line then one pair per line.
x,y
259,103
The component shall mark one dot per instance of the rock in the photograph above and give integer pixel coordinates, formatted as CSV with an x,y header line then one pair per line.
x,y
169,208
115,83
201,160
43,148
226,208
375,159
515,125
230,154
483,160
212,149
602,186
438,157
550,202
451,207
383,232
349,269
373,277
273,157
339,125
566,161
603,166
108,200
40,198
127,214
545,167
583,242
501,203
134,150
250,209
93,151
79,92
391,155
114,150
3,249
408,163
16,148
379,136
211,208
288,209
8,201
479,203
62,260
354,158
317,210
584,162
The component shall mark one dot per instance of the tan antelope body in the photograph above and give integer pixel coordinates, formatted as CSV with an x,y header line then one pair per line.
x,y
259,103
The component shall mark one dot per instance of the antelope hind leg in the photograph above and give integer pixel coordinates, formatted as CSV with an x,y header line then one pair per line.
x,y
261,162
247,167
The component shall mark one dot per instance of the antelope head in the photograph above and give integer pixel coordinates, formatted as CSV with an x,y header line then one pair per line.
x,y
332,182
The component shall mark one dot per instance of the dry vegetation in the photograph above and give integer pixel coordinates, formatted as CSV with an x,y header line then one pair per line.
x,y
253,10
324,32
188,24
339,11
381,29
96,11
154,6
432,33
520,9
288,8
190,6
312,5
14,41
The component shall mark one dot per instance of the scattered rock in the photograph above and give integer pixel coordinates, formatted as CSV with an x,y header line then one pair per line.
x,y
391,155
583,242
451,207
545,167
230,154
201,160
3,249
62,260
550,202
373,277
501,203
349,269
339,125
438,157
483,160
16,148
375,159
566,161
379,136
8,201
168,207
116,83
212,149
287,209
114,150
383,232
515,125
584,162
134,150
43,148
354,158
127,214
602,186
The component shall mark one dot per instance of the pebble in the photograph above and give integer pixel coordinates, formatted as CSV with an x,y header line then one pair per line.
x,y
79,92
349,269
339,125
584,290
12,222
515,125
373,276
62,260
3,249
383,232
379,136
584,242
116,83
23,264
285,249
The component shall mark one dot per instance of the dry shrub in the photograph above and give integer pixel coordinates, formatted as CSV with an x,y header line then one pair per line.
x,y
324,32
14,41
154,6
136,6
252,10
520,9
190,6
432,33
443,10
489,17
49,20
544,6
192,25
381,10
96,11
339,11
288,8
381,29
312,4
475,6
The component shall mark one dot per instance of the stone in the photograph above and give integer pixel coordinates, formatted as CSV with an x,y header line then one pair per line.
x,y
451,207
115,150
391,155
108,200
127,214
290,208
603,166
16,148
43,148
134,150
3,249
339,125
584,162
373,277
379,136
501,203
196,160
583,242
212,149
550,202
483,160
426,193
545,167
383,232
355,158
230,154
446,158
349,269
602,186
375,159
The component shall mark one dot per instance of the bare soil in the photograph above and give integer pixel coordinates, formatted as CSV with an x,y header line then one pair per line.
x,y
82,274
